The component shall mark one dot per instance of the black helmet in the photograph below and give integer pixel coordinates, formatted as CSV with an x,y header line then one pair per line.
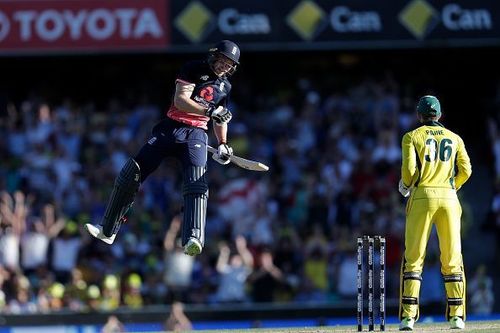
x,y
228,49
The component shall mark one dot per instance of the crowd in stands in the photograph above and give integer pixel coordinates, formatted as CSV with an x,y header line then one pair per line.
x,y
287,235
485,288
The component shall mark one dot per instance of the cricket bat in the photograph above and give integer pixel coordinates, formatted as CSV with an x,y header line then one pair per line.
x,y
242,162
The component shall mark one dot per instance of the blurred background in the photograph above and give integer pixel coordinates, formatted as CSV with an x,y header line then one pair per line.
x,y
323,95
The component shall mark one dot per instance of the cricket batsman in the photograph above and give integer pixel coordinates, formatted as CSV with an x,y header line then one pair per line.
x,y
202,91
435,165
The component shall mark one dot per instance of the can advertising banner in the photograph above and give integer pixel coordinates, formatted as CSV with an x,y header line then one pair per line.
x,y
74,25
324,24
41,26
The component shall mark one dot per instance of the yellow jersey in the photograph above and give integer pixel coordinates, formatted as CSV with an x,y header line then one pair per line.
x,y
434,156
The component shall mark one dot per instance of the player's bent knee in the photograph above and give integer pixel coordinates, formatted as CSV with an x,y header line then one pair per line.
x,y
195,181
130,176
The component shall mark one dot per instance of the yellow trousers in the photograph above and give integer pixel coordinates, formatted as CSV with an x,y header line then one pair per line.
x,y
425,207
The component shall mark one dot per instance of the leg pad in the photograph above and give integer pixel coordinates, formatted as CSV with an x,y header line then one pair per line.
x,y
195,192
122,197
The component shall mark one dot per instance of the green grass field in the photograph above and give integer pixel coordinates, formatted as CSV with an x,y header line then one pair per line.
x,y
476,326
471,326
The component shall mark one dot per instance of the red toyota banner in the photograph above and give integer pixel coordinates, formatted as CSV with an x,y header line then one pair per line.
x,y
72,25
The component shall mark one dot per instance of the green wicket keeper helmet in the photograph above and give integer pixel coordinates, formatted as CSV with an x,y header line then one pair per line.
x,y
428,106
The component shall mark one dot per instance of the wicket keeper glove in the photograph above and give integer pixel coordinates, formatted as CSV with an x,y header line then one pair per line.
x,y
403,189
219,114
222,154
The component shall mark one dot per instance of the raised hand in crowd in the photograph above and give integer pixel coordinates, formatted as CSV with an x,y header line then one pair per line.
x,y
172,232
13,211
49,225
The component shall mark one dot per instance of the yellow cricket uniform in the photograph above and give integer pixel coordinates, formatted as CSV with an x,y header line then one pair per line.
x,y
435,163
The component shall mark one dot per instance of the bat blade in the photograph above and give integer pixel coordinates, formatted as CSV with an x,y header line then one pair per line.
x,y
243,162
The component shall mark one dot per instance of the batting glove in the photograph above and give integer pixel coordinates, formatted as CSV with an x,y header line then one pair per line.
x,y
219,114
403,189
223,153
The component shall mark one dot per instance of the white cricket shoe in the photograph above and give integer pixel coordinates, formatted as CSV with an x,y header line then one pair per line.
x,y
96,231
192,247
407,324
457,323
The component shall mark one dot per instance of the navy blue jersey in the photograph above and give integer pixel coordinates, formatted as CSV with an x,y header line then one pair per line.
x,y
209,90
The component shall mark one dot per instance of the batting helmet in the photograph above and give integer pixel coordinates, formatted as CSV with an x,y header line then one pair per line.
x,y
228,49
429,106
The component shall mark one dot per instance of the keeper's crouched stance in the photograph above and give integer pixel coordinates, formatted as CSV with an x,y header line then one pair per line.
x,y
201,95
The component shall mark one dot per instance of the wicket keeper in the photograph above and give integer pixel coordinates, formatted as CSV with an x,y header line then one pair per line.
x,y
435,165
201,94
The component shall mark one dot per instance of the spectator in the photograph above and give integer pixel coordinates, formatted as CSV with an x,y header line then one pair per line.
x,y
75,291
265,278
494,134
4,275
56,296
315,260
480,289
13,213
132,294
494,218
94,298
113,325
346,275
110,299
387,149
36,237
22,303
178,266
233,272
66,247
177,320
